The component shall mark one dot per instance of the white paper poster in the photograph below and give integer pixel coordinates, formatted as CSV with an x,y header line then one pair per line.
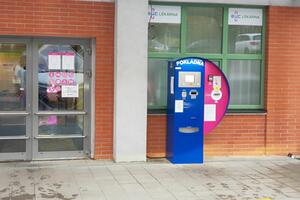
x,y
178,106
245,16
68,91
217,82
209,112
68,61
164,14
54,59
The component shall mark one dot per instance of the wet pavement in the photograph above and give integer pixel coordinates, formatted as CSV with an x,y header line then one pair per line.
x,y
232,178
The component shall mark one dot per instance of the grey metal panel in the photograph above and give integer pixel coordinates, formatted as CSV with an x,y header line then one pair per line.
x,y
9,39
92,100
12,156
68,41
29,128
35,102
58,155
88,75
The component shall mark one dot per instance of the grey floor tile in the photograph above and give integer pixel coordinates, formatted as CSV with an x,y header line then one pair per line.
x,y
226,178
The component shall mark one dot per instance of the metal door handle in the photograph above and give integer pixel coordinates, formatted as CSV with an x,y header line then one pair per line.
x,y
14,138
60,137
14,113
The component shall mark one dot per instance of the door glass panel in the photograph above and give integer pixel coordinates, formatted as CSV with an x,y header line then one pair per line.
x,y
74,144
61,77
12,126
12,77
12,146
61,125
244,80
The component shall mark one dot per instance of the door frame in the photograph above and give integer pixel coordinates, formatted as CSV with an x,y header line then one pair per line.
x,y
32,112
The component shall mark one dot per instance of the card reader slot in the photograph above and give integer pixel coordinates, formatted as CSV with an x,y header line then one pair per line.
x,y
188,129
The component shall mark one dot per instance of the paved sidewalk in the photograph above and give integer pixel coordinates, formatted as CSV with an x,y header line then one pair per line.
x,y
219,178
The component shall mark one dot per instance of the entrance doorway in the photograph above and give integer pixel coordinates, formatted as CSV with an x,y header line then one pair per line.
x,y
44,98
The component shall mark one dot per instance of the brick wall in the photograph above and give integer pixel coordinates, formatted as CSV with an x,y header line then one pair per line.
x,y
276,133
283,81
156,135
235,135
66,18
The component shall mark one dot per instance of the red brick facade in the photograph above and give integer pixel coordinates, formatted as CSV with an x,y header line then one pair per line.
x,y
283,82
236,135
277,132
80,19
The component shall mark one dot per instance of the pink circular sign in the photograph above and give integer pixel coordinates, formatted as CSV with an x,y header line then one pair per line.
x,y
216,96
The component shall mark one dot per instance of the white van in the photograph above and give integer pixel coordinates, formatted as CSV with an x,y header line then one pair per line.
x,y
248,43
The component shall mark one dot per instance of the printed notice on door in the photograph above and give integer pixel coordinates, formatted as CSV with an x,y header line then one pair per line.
x,y
69,91
68,61
54,61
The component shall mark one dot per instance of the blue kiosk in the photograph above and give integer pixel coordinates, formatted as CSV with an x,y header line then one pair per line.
x,y
185,101
198,96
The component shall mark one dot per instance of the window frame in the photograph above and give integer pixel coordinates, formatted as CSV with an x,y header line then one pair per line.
x,y
224,56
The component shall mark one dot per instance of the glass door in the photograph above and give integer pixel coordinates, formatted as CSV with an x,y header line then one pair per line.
x,y
61,96
44,98
15,99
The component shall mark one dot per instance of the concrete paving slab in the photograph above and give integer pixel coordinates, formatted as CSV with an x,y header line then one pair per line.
x,y
222,178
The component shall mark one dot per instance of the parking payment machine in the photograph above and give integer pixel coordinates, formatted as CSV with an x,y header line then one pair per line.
x,y
198,96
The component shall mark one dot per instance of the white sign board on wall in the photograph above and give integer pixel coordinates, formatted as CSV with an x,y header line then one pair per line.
x,y
164,14
245,16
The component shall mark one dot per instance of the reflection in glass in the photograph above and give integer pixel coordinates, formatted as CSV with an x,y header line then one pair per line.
x,y
12,77
12,146
244,80
61,125
61,77
244,39
163,37
204,30
157,83
12,126
46,145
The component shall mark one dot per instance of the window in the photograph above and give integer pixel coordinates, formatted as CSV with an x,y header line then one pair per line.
x,y
157,83
208,39
230,36
244,80
163,37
